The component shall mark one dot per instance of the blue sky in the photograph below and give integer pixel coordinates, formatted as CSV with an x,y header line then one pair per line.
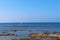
x,y
29,10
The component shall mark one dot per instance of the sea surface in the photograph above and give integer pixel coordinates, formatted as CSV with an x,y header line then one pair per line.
x,y
24,29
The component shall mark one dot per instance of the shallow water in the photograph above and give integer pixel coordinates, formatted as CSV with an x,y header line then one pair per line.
x,y
23,30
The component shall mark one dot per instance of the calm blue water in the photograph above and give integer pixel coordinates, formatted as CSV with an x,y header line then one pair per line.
x,y
49,26
24,29
31,24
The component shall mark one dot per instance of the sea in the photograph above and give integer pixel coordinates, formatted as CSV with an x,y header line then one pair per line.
x,y
22,30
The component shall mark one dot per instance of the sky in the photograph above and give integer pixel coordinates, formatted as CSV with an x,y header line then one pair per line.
x,y
29,10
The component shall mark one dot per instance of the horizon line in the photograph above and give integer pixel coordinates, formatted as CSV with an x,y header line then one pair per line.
x,y
29,22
